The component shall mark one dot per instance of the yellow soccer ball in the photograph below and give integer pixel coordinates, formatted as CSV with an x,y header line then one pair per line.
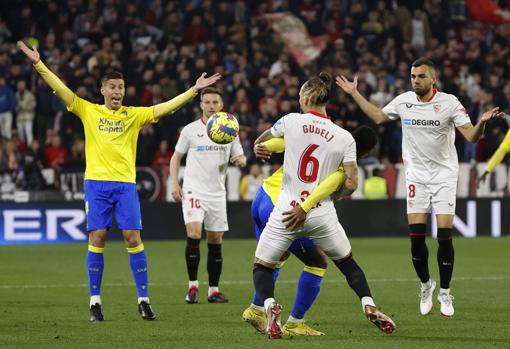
x,y
222,128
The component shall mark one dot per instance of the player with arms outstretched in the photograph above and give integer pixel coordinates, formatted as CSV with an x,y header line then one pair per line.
x,y
111,134
314,148
429,119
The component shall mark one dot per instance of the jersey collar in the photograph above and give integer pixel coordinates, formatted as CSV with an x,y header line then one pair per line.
x,y
319,114
434,91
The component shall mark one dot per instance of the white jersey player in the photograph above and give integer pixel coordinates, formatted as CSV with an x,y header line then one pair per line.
x,y
429,119
203,193
314,148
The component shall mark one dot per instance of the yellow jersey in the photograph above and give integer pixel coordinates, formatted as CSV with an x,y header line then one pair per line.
x,y
111,137
273,184
500,154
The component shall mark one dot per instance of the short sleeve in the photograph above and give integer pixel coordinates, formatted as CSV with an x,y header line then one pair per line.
x,y
237,148
144,115
79,107
278,129
390,109
350,151
182,145
460,115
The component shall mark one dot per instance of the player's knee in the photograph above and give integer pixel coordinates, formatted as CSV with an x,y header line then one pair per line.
x,y
97,238
214,238
132,240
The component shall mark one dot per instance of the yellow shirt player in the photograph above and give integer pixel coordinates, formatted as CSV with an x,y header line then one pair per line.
x,y
111,135
497,157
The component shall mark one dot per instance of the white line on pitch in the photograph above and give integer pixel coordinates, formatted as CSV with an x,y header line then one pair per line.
x,y
243,282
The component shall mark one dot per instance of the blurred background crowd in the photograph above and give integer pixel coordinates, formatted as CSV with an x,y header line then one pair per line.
x,y
161,47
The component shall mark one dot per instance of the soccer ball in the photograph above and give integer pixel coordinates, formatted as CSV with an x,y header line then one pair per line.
x,y
222,128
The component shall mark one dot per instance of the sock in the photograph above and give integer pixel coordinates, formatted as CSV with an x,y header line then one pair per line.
x,y
95,267
193,283
256,301
444,291
355,276
143,299
445,256
293,319
214,264
192,254
366,301
263,281
95,299
419,251
309,286
212,290
138,264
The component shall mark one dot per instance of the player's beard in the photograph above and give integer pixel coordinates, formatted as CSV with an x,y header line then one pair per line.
x,y
420,91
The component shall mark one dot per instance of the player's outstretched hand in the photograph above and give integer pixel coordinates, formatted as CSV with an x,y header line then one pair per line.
x,y
346,85
492,114
203,82
177,193
482,179
295,218
33,55
261,151
239,160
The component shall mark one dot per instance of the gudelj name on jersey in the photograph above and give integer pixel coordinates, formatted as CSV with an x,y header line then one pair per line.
x,y
211,148
318,131
110,126
421,122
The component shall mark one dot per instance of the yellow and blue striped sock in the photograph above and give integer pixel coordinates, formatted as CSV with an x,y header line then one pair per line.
x,y
138,264
95,267
309,286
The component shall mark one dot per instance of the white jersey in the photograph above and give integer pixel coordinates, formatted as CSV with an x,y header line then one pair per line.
x,y
314,148
206,163
428,129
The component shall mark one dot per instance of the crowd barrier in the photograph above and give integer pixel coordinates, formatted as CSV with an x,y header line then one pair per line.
x,y
63,222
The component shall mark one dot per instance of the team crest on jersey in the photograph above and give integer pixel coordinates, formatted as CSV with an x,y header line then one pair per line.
x,y
437,108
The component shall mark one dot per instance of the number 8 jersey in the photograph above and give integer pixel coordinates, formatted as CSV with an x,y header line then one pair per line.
x,y
314,148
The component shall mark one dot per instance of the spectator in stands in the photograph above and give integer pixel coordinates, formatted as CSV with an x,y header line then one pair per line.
x,y
162,158
77,160
25,112
375,187
33,163
7,107
56,155
251,182
45,114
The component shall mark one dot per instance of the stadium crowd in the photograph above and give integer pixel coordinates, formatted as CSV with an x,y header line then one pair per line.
x,y
161,47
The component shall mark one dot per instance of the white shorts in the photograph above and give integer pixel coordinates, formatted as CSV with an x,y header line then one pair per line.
x,y
212,213
422,198
325,231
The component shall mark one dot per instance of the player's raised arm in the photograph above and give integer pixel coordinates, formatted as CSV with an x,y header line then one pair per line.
x,y
171,106
60,89
371,110
473,133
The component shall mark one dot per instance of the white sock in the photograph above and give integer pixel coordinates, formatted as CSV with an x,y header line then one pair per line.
x,y
213,289
268,302
193,283
367,301
258,307
94,300
427,284
444,291
143,299
293,319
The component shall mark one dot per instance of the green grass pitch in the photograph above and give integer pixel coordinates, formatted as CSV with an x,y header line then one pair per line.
x,y
45,299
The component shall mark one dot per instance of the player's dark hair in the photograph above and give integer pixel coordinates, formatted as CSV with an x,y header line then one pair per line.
x,y
424,61
210,90
112,75
318,89
366,139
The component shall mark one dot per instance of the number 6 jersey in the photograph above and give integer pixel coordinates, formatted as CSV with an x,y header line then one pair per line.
x,y
314,148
